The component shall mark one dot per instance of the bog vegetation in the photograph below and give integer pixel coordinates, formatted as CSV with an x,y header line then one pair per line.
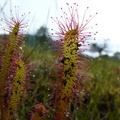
x,y
43,79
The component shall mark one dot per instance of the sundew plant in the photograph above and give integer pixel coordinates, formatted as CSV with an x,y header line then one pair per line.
x,y
70,66
13,70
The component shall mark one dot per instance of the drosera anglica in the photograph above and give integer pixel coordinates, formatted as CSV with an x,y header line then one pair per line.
x,y
72,64
14,27
16,88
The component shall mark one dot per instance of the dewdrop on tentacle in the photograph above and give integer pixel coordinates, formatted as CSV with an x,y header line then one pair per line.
x,y
71,63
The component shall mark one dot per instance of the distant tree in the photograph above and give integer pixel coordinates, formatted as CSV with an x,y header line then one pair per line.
x,y
42,34
117,55
99,47
42,31
39,40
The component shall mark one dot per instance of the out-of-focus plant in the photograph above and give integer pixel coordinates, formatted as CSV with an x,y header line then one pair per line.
x,y
13,69
39,112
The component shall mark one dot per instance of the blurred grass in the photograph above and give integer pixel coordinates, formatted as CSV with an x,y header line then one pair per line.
x,y
101,94
39,79
104,100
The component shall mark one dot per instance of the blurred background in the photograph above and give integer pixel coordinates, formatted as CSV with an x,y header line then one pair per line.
x,y
40,15
101,93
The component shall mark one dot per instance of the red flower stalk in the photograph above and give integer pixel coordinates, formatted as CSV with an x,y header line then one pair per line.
x,y
71,63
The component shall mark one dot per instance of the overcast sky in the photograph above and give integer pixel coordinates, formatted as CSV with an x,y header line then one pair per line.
x,y
108,18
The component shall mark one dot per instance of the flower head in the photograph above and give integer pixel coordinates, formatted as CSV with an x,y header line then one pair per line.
x,y
14,20
70,24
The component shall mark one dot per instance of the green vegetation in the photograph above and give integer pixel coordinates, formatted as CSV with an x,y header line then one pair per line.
x,y
101,88
104,96
101,94
43,79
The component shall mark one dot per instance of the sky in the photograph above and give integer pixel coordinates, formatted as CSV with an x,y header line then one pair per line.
x,y
41,11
